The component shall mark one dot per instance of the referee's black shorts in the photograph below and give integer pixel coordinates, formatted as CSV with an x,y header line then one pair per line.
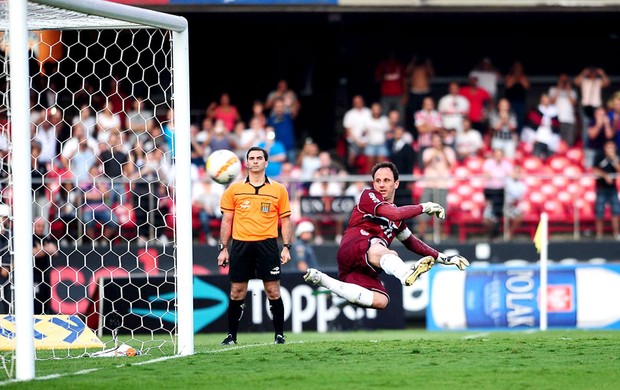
x,y
254,260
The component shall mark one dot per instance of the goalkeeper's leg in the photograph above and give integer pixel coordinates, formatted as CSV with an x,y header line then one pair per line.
x,y
353,293
394,265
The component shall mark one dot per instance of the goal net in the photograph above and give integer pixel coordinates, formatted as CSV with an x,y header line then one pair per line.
x,y
108,146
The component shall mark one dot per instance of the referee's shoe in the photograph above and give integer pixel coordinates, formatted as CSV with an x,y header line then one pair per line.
x,y
229,340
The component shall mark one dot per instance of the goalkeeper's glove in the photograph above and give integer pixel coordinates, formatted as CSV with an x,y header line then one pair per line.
x,y
431,208
456,260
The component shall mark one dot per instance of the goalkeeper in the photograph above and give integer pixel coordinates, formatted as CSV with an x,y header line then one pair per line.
x,y
364,250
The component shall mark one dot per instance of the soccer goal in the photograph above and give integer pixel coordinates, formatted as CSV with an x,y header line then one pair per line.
x,y
95,212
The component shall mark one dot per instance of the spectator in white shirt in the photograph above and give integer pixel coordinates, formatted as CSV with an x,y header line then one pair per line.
x,y
469,143
354,122
453,108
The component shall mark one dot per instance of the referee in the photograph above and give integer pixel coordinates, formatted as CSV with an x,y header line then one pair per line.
x,y
251,211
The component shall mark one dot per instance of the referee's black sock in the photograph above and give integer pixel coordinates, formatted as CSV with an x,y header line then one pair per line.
x,y
235,313
277,312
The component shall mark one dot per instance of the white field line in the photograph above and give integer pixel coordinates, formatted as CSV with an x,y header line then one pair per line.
x,y
475,336
157,360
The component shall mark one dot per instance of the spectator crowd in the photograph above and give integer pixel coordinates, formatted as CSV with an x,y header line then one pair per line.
x,y
106,163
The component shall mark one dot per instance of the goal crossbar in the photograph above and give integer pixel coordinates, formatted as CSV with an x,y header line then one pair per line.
x,y
63,14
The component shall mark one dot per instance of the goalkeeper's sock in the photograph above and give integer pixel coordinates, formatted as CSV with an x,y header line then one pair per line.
x,y
394,265
353,293
276,306
235,313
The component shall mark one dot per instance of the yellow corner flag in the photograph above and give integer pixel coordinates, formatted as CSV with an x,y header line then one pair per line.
x,y
538,237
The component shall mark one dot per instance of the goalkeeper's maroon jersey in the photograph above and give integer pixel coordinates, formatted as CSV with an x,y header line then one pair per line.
x,y
353,266
364,223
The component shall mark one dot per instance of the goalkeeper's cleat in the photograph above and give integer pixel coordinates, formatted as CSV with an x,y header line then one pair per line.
x,y
229,340
313,276
421,266
279,339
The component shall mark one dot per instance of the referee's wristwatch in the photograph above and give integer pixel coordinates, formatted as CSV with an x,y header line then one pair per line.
x,y
221,247
287,246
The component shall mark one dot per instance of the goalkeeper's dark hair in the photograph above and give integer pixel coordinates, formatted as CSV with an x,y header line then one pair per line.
x,y
253,148
385,164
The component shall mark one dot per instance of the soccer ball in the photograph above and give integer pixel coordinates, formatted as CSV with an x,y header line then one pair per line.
x,y
223,166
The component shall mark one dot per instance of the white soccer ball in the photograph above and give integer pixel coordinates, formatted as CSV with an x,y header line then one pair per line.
x,y
223,166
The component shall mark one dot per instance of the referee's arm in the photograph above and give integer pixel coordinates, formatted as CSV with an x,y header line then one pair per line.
x,y
285,223
225,233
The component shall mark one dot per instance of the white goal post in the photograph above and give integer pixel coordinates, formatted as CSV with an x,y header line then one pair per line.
x,y
19,18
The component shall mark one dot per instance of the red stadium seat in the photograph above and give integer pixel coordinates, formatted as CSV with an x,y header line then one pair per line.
x,y
461,171
477,182
549,190
537,198
474,164
555,209
566,198
559,181
464,189
478,198
575,189
532,165
575,154
454,200
587,182
573,171
533,182
559,163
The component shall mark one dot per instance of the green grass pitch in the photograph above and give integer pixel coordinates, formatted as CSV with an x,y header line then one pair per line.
x,y
412,359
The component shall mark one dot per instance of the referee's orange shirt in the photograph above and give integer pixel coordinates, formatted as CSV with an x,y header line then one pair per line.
x,y
257,211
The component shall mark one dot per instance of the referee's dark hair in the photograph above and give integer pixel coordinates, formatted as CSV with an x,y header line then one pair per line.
x,y
253,148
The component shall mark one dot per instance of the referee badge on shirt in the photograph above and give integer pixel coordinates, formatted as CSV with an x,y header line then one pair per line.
x,y
264,207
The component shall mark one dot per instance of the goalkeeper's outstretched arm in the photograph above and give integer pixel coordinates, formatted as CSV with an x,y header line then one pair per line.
x,y
403,213
414,244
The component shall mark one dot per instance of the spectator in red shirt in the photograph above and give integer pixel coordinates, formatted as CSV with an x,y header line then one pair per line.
x,y
479,100
390,74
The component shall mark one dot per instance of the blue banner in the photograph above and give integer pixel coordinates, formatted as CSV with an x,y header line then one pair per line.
x,y
499,297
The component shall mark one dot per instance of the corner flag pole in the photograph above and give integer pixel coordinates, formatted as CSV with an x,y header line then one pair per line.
x,y
541,241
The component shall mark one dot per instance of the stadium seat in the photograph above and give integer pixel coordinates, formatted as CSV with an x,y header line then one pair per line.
x,y
559,163
461,171
575,189
575,154
555,209
532,165
477,182
453,199
532,182
468,217
548,189
126,219
478,198
574,170
587,182
474,164
566,198
537,198
559,181
464,190
561,149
